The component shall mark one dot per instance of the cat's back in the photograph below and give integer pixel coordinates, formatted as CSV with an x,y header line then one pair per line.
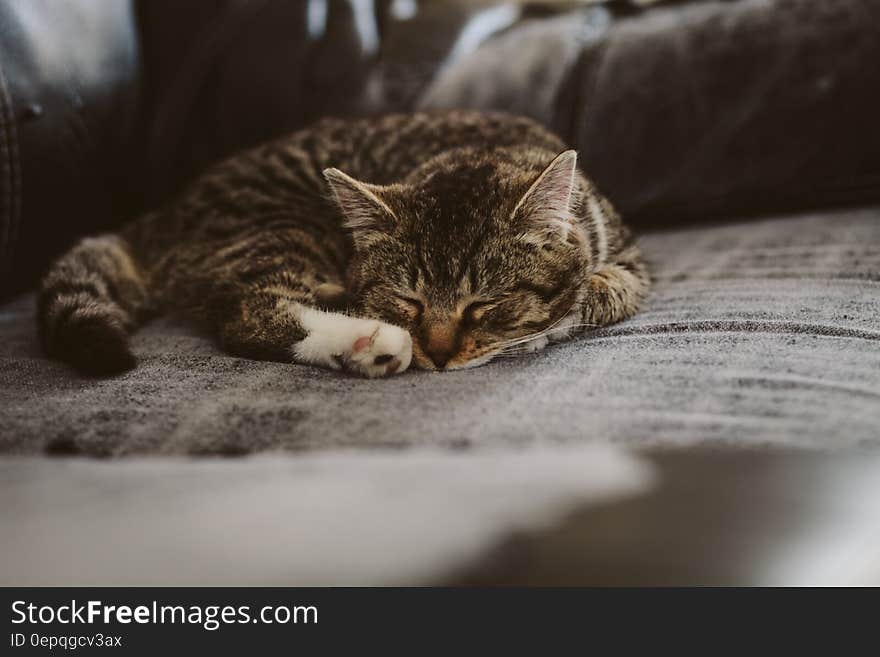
x,y
384,149
263,183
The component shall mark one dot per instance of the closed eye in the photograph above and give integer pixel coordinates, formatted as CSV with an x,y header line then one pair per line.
x,y
415,305
545,294
474,311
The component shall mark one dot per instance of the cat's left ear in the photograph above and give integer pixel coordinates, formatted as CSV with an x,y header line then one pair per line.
x,y
362,204
548,200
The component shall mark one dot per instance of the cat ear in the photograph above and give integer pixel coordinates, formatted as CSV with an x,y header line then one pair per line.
x,y
549,197
361,204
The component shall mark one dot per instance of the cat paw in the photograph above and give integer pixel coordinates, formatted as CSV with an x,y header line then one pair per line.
x,y
362,346
386,350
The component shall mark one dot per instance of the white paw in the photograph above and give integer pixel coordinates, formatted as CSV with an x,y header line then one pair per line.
x,y
383,351
363,346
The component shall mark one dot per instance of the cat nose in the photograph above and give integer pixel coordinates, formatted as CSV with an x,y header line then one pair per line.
x,y
438,356
439,344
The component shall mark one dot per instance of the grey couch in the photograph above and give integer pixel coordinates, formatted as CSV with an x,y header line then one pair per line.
x,y
758,333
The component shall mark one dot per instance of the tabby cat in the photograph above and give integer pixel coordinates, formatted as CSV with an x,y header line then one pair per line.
x,y
444,239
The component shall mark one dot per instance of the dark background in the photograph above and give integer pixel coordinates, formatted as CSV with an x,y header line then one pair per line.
x,y
684,111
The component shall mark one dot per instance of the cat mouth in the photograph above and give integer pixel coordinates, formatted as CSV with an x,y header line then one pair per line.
x,y
476,361
456,363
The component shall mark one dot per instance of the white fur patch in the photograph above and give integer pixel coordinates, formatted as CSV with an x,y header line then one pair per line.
x,y
339,341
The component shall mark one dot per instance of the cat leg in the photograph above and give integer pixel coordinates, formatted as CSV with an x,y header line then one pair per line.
x,y
615,291
612,293
271,323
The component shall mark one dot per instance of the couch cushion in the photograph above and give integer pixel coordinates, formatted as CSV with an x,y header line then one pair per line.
x,y
697,109
757,333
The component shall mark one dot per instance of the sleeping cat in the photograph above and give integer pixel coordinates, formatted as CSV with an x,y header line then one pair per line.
x,y
444,239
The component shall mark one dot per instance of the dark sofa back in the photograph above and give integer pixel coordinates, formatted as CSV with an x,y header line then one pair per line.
x,y
689,111
69,88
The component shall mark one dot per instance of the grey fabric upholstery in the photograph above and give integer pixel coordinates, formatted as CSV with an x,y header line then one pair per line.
x,y
757,333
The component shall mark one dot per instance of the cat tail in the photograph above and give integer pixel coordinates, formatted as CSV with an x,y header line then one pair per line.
x,y
89,301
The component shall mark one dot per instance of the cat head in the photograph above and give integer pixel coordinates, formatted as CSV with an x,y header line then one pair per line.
x,y
471,253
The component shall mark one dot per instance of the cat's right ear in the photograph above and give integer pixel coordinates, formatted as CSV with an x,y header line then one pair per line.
x,y
362,205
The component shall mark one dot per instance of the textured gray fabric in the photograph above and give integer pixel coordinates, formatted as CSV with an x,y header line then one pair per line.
x,y
757,333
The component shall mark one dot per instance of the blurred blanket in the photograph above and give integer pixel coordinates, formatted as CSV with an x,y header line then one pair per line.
x,y
323,519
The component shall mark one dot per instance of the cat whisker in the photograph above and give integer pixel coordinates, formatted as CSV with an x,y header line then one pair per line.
x,y
518,346
540,334
537,334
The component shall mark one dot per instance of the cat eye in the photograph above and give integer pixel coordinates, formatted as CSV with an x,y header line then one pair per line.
x,y
415,305
474,311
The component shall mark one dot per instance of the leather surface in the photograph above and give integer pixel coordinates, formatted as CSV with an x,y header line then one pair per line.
x,y
227,75
71,75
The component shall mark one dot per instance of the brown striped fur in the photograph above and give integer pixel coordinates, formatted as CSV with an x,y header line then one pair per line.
x,y
439,223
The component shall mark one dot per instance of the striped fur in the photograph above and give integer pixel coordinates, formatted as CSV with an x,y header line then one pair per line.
x,y
89,301
452,235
